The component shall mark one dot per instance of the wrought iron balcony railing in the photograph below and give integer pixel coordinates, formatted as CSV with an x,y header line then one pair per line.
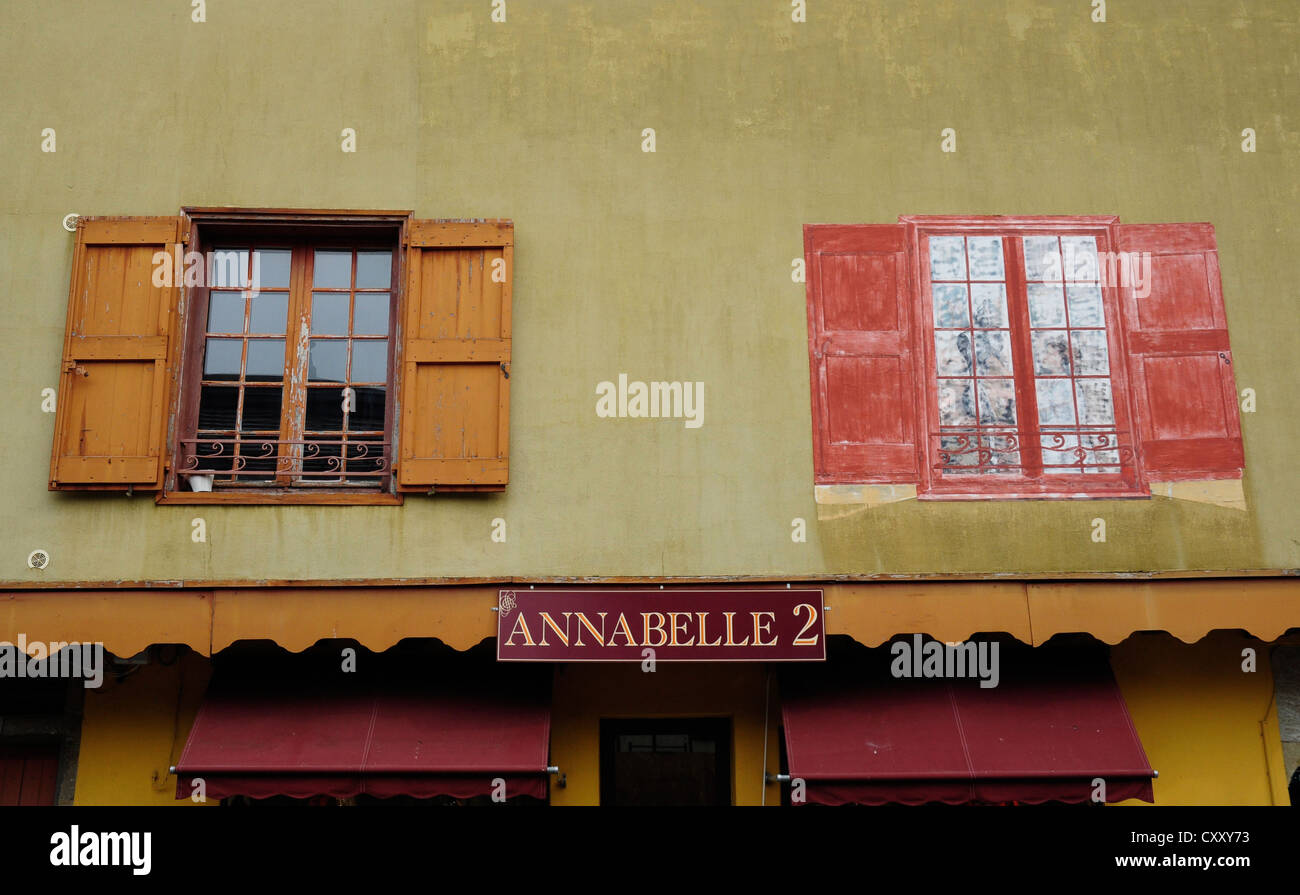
x,y
256,460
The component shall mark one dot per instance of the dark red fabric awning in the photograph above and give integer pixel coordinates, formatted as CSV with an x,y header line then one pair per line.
x,y
1054,724
291,741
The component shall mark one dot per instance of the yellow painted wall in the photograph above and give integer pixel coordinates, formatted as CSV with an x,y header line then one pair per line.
x,y
132,731
583,694
1208,727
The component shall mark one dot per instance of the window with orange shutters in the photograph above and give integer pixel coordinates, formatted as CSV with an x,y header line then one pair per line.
x,y
299,357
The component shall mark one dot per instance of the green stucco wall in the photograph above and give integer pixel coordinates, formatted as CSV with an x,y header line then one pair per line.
x,y
673,265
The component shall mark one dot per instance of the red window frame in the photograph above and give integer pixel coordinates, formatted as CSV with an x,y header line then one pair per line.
x,y
1032,481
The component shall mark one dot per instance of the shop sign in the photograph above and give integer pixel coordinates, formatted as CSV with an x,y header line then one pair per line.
x,y
721,625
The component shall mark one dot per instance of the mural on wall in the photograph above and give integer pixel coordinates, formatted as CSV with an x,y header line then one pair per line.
x,y
1013,357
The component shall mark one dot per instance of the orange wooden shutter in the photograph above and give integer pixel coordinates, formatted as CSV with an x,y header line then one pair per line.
x,y
455,413
110,428
1184,394
864,388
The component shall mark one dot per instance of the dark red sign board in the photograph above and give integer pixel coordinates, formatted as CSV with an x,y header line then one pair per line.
x,y
732,625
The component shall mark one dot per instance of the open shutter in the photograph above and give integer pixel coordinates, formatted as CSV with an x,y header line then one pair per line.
x,y
1184,394
110,428
455,421
864,391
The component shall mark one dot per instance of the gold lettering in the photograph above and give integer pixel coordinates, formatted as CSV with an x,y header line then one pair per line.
x,y
621,626
663,635
731,638
563,634
674,626
703,616
760,630
521,627
584,622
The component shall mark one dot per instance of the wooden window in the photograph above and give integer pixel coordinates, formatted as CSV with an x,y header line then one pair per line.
x,y
293,386
978,357
280,346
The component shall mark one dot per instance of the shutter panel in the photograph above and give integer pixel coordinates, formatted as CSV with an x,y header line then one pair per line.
x,y
1184,393
110,425
864,391
455,421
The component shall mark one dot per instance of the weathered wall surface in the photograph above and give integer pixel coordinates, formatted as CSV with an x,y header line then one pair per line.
x,y
673,265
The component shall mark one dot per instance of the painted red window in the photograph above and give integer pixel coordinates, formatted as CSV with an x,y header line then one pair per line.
x,y
1019,357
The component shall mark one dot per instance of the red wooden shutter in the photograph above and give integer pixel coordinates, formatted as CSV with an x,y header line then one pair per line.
x,y
1184,394
455,413
864,390
110,426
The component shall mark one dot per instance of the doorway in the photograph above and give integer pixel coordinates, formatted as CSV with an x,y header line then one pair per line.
x,y
660,762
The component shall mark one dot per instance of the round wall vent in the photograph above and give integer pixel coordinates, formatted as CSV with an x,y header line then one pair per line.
x,y
38,559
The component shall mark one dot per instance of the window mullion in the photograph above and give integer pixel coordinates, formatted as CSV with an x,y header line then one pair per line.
x,y
295,376
1031,454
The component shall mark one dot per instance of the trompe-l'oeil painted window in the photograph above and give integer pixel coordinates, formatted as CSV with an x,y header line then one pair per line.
x,y
1022,364
1019,357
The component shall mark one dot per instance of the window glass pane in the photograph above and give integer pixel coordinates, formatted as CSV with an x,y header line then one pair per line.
x,y
1051,353
1060,449
271,268
1055,402
1095,407
221,358
365,454
329,314
1002,453
324,410
956,402
369,410
952,353
225,312
1085,306
370,314
947,258
950,308
959,450
997,402
322,458
1042,258
1080,257
228,269
268,313
327,360
262,409
370,361
374,270
985,258
1090,353
993,353
265,359
332,270
1046,305
218,405
1095,457
990,303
